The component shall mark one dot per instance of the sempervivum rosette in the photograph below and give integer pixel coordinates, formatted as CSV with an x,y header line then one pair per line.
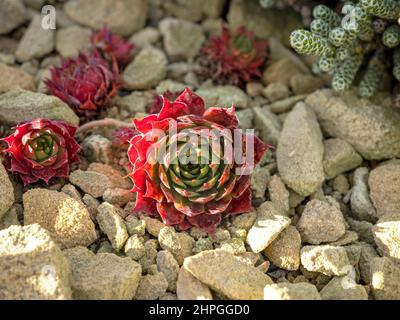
x,y
182,164
86,83
41,149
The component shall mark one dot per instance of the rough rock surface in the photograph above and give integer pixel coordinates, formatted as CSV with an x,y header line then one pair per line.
x,y
12,14
328,260
71,40
387,235
122,16
102,276
36,42
343,288
321,221
385,275
214,268
32,266
6,191
384,184
152,287
146,70
268,225
223,96
13,78
33,105
178,243
65,218
284,251
372,130
291,291
189,288
300,151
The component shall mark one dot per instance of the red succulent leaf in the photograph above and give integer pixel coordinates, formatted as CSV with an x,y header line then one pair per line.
x,y
113,46
41,149
186,193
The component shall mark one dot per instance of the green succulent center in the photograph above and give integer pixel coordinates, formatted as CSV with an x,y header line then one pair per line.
x,y
42,147
243,44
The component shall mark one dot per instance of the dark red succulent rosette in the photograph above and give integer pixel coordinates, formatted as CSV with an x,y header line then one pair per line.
x,y
41,149
113,46
233,57
86,83
189,194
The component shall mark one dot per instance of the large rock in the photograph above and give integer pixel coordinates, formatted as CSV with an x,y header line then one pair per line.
x,y
284,251
269,224
265,23
32,266
300,151
167,264
384,184
91,182
13,78
179,244
385,279
6,191
373,130
66,218
339,157
361,205
321,221
36,42
291,291
343,288
228,275
102,276
387,235
182,39
12,15
328,260
33,105
189,288
223,96
152,287
147,69
122,16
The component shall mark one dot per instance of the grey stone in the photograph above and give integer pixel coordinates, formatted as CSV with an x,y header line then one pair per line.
x,y
268,225
123,16
223,97
373,130
36,42
167,264
146,70
276,91
97,148
103,276
71,40
259,181
291,291
385,281
268,124
278,194
179,244
6,191
12,15
32,266
339,157
189,288
134,247
387,235
32,105
13,78
214,269
67,219
152,287
300,151
182,39
343,288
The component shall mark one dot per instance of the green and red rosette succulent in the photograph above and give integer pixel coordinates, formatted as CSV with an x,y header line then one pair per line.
x,y
233,58
186,193
41,149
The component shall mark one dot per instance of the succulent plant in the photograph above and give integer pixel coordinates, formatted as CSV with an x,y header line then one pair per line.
x,y
41,149
188,185
113,46
86,83
157,102
232,58
359,46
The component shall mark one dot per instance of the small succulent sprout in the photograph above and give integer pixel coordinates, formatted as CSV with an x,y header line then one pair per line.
x,y
320,27
385,9
379,25
326,64
396,64
370,82
391,36
338,36
327,14
305,42
346,72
